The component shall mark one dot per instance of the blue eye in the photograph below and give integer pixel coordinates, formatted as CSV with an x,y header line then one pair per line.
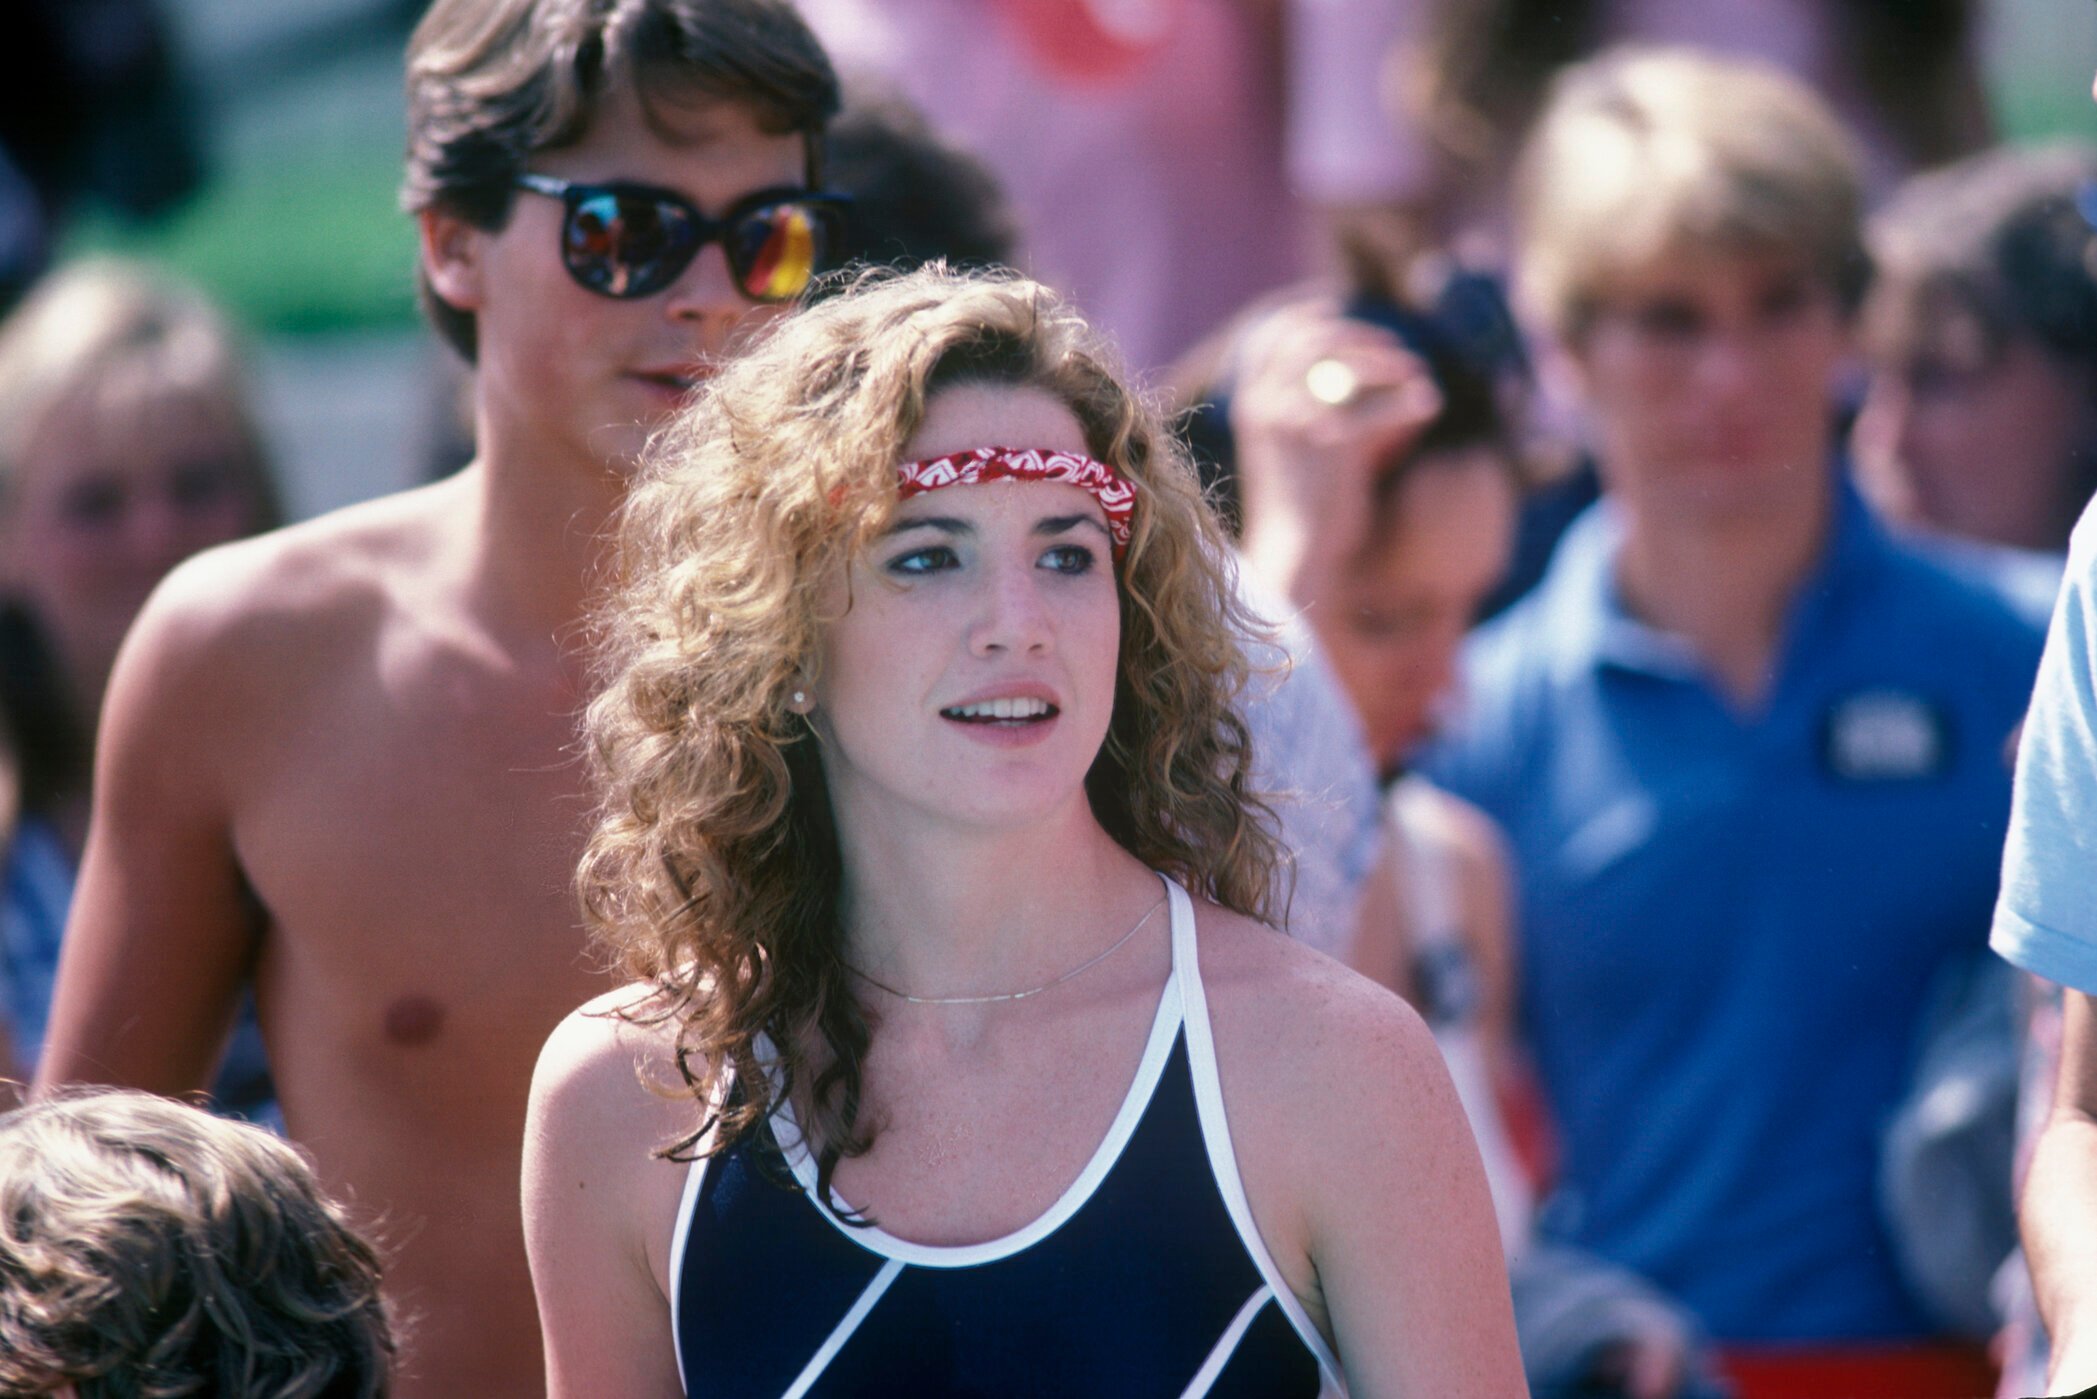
x,y
1069,558
933,558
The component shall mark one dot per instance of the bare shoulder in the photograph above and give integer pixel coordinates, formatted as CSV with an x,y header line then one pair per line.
x,y
1303,1035
600,1199
610,1067
606,1098
238,642
1476,851
1358,1166
1459,831
309,579
1472,836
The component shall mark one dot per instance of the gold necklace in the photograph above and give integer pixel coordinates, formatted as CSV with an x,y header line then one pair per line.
x,y
1085,966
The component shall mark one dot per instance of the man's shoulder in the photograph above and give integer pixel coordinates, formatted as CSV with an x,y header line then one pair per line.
x,y
1515,642
1931,605
1962,584
1553,629
304,587
2027,580
1510,665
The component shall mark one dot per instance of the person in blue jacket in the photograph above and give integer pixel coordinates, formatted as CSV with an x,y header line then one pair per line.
x,y
1748,747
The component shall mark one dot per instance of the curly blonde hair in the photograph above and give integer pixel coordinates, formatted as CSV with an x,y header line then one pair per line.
x,y
149,1251
713,872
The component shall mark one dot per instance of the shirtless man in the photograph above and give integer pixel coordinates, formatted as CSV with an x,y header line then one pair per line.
x,y
338,759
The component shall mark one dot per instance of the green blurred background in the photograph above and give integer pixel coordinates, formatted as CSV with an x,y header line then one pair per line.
x,y
297,227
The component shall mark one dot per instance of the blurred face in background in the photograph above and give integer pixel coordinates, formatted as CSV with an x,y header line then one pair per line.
x,y
1973,438
1440,543
106,502
1706,378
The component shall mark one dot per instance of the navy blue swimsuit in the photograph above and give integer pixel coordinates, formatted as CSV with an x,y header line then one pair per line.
x,y
1147,1278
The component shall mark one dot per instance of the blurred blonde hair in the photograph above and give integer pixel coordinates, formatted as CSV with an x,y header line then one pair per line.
x,y
118,345
111,340
1646,152
149,1249
714,872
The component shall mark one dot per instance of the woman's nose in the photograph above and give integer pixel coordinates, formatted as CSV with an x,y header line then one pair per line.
x,y
1015,617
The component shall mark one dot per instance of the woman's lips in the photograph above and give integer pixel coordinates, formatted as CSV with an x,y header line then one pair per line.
x,y
1016,708
1005,733
1008,719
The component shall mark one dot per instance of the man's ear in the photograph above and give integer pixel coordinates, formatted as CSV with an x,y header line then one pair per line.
x,y
452,254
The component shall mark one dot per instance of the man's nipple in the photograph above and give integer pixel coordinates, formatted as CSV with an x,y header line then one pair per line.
x,y
414,1020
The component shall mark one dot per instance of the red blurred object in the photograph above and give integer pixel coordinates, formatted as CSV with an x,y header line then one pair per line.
x,y
1929,1371
1094,41
1526,1118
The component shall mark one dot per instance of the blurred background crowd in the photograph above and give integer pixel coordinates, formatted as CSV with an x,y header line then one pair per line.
x,y
1645,963
255,149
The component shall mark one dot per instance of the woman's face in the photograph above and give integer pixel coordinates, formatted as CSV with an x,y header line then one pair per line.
x,y
1410,598
968,676
105,504
1974,440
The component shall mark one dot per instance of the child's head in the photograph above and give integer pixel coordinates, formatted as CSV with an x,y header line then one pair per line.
x,y
148,1248
492,83
916,198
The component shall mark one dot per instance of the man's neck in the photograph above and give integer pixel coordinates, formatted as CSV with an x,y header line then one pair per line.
x,y
1725,584
543,524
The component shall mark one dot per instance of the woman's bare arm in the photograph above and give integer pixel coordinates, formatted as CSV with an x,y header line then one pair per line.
x,y
1402,1231
1361,1170
600,1207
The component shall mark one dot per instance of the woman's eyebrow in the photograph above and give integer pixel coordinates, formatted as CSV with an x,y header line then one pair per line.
x,y
1063,524
948,523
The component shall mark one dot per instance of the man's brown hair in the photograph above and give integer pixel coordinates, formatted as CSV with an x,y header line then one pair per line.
x,y
493,82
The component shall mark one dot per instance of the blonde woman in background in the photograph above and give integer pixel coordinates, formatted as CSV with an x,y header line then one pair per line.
x,y
127,443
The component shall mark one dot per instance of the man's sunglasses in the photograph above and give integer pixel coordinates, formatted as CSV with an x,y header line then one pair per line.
x,y
628,240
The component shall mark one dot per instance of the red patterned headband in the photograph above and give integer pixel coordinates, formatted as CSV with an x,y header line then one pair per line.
x,y
1116,495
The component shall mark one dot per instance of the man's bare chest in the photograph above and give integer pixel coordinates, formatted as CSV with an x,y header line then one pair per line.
x,y
412,845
